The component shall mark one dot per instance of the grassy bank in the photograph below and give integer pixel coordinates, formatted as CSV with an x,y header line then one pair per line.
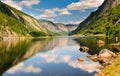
x,y
89,35
111,70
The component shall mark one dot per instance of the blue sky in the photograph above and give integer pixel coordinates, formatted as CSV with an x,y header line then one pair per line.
x,y
62,11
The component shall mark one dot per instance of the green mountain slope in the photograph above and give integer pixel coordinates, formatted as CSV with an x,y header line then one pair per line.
x,y
106,20
14,23
108,24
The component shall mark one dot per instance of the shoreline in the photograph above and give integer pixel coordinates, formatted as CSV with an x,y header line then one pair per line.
x,y
111,70
24,37
88,35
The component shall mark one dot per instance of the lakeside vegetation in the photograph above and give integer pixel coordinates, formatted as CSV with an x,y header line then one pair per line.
x,y
111,70
108,24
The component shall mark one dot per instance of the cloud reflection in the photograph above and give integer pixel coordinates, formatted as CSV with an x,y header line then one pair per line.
x,y
66,55
22,68
87,66
56,56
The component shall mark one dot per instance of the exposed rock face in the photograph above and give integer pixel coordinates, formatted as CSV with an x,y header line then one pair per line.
x,y
57,27
61,27
16,23
71,27
97,14
49,25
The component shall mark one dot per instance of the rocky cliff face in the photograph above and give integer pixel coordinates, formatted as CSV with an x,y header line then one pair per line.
x,y
94,16
16,23
71,27
49,25
57,27
61,27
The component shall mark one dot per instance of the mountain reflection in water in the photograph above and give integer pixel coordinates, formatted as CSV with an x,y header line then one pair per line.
x,y
46,57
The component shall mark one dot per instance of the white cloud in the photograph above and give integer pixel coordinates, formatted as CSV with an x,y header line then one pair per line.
x,y
19,5
64,12
14,4
22,68
49,13
82,5
29,3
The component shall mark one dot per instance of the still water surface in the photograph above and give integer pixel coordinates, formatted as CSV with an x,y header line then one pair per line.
x,y
47,57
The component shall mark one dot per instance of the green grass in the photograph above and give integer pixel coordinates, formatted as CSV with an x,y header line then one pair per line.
x,y
112,70
11,24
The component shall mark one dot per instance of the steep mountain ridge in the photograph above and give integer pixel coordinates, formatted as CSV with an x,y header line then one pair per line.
x,y
57,27
71,27
14,23
49,25
103,11
61,27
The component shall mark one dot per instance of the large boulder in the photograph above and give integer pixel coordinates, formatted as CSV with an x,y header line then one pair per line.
x,y
105,57
105,53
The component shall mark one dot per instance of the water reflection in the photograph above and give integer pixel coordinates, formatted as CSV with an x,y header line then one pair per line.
x,y
50,57
13,51
100,49
23,68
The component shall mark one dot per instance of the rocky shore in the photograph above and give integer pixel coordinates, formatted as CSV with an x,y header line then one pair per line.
x,y
106,58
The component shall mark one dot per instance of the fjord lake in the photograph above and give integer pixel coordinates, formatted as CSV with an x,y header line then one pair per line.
x,y
48,57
